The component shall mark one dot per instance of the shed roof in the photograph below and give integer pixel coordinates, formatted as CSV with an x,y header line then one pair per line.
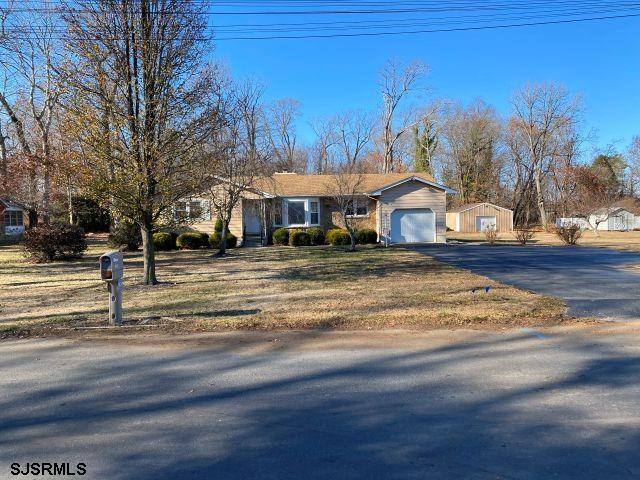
x,y
469,206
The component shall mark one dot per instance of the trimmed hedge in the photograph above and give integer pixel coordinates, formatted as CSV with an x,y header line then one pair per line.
x,y
366,236
56,241
280,236
164,241
316,235
299,238
192,240
338,236
214,240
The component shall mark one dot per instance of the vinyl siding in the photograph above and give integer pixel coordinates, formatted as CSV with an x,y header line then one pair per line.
x,y
467,219
413,195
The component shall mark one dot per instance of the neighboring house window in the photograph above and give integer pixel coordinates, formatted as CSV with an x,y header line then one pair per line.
x,y
296,213
359,208
13,218
277,212
314,218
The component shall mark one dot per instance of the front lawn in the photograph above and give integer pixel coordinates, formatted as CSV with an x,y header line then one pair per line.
x,y
268,288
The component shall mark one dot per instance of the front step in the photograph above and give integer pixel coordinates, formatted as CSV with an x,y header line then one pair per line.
x,y
252,241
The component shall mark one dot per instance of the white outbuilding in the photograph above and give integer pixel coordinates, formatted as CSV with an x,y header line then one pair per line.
x,y
616,219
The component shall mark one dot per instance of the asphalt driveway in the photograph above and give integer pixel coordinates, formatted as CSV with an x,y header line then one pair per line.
x,y
594,282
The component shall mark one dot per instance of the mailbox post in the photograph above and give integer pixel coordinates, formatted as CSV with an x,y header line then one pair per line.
x,y
111,271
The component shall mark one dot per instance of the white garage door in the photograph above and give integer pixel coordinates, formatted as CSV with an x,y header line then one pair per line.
x,y
413,225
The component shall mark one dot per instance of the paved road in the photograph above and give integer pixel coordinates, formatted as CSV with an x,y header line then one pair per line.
x,y
594,282
489,406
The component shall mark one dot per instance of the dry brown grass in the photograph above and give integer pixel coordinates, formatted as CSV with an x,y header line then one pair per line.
x,y
269,288
629,241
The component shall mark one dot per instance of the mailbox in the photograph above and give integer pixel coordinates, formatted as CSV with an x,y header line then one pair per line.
x,y
111,266
112,271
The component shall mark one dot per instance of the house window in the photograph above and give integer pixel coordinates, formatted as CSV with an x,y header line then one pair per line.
x,y
296,213
196,212
277,212
315,214
358,208
180,211
13,218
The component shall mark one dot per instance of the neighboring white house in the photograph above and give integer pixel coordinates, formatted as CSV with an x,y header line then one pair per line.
x,y
12,217
568,221
613,219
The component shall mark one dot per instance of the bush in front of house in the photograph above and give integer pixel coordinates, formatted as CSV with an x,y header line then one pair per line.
x,y
299,238
55,241
125,234
217,227
316,235
338,236
280,236
366,236
192,240
216,237
569,234
164,241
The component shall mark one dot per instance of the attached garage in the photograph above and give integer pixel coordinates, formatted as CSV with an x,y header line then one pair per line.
x,y
413,225
479,217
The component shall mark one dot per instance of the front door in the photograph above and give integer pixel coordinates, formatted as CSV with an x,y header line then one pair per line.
x,y
251,213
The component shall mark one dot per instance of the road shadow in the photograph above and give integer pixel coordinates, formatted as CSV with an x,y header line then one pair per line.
x,y
509,407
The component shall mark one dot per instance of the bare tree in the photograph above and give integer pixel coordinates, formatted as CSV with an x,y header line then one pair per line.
x,y
353,132
239,151
471,155
139,73
322,148
542,114
593,199
287,154
397,83
633,165
32,61
344,187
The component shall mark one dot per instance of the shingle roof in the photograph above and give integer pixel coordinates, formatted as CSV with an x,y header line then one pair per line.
x,y
12,203
292,185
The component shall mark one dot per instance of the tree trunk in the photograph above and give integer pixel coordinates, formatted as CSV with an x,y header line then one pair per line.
x,y
540,199
222,248
352,237
46,195
148,254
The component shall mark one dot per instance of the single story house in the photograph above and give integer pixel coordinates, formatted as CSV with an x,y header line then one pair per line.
x,y
13,217
478,217
613,219
400,207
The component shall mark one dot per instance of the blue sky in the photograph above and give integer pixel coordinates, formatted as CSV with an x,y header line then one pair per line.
x,y
599,60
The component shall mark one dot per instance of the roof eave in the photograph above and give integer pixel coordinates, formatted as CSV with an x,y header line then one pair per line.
x,y
378,191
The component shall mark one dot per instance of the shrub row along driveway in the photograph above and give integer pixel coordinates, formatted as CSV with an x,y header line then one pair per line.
x,y
594,282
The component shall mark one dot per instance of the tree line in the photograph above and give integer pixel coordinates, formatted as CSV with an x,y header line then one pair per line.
x,y
118,101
